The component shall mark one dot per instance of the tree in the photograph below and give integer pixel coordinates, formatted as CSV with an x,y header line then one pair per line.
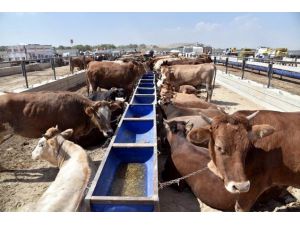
x,y
2,48
83,48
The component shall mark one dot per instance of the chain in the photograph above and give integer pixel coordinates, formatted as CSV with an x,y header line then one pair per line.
x,y
176,181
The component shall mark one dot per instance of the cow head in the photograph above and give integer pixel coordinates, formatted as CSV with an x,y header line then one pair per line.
x,y
117,93
178,127
100,115
167,75
230,138
49,145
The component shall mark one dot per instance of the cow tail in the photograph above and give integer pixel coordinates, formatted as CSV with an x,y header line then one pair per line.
x,y
87,83
214,80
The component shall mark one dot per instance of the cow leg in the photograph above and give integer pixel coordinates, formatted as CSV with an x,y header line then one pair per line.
x,y
209,92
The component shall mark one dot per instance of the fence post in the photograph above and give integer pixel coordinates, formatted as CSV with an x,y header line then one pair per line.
x,y
53,67
226,64
215,60
243,68
70,62
84,66
23,66
296,61
270,73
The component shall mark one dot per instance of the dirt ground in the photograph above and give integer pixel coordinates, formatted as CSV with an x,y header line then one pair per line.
x,y
23,180
285,83
16,81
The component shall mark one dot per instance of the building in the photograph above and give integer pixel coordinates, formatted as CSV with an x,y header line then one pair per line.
x,y
67,52
29,52
3,56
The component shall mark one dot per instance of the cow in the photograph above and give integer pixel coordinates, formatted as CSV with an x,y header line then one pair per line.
x,y
187,61
195,75
80,62
66,192
187,89
267,140
170,111
188,158
111,95
31,114
111,74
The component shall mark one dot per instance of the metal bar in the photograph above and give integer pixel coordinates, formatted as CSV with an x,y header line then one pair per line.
x,y
226,64
243,68
53,68
23,66
215,59
270,71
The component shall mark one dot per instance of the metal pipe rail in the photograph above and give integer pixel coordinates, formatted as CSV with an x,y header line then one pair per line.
x,y
270,67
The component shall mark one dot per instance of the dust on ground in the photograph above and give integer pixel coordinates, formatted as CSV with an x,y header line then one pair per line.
x,y
17,81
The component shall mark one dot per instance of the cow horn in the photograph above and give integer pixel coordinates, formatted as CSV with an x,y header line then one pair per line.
x,y
206,118
250,117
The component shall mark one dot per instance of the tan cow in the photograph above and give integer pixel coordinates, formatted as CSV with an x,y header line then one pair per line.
x,y
194,75
31,114
67,191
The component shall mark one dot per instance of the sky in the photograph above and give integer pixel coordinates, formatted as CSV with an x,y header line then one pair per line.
x,y
220,30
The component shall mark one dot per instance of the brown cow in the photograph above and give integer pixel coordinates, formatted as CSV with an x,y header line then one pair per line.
x,y
80,62
196,61
170,110
31,114
114,74
187,89
206,186
267,139
194,75
189,158
167,94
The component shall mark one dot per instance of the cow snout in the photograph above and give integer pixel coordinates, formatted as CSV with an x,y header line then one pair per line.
x,y
108,133
238,187
34,155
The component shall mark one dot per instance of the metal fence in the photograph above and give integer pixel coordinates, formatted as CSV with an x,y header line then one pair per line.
x,y
23,67
270,66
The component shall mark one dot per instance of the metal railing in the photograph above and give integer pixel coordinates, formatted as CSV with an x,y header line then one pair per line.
x,y
268,68
22,64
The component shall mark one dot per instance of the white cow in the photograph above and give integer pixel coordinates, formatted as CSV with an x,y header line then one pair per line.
x,y
68,189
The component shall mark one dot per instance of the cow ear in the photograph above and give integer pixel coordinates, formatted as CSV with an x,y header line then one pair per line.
x,y
212,167
89,111
260,131
67,133
199,135
114,106
166,124
188,126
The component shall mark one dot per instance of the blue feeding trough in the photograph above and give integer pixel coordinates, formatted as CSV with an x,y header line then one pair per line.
x,y
140,111
146,81
144,91
148,77
136,131
126,176
126,180
146,85
143,99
